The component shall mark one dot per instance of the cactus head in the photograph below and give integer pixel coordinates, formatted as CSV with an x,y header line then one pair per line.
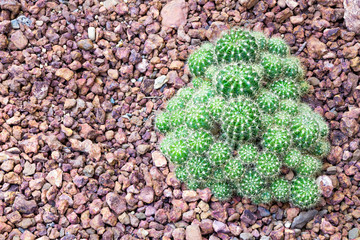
x,y
248,153
288,105
241,120
293,158
285,89
277,139
292,68
234,80
272,65
162,122
261,40
280,189
282,119
216,106
221,190
234,170
309,166
304,192
236,45
219,153
182,173
201,59
268,165
279,47
265,197
321,148
199,168
268,101
251,184
199,142
198,117
305,131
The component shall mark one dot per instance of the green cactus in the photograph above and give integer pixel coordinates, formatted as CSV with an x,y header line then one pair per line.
x,y
200,60
272,65
261,40
182,173
234,80
268,165
288,105
198,167
248,153
251,184
305,131
198,117
280,189
321,148
285,89
265,197
293,158
221,190
292,68
219,153
216,106
200,142
282,119
241,126
162,122
240,120
268,101
237,45
309,166
279,47
233,169
277,139
304,192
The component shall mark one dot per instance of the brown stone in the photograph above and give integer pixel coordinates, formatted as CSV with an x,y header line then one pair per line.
x,y
174,13
65,73
19,40
352,15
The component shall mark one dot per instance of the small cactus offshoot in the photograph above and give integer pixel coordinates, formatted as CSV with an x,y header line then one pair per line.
x,y
241,124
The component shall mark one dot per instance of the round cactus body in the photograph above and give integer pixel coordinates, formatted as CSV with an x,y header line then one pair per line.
x,y
177,151
285,89
293,158
261,40
200,60
282,119
211,72
309,166
216,106
279,47
237,45
198,117
292,68
181,173
268,165
305,131
221,190
234,80
162,122
272,65
277,139
199,168
304,192
233,169
268,101
281,189
288,105
251,184
265,197
321,148
219,153
241,120
200,142
248,153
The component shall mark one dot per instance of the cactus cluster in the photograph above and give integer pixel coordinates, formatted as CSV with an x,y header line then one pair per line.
x,y
242,122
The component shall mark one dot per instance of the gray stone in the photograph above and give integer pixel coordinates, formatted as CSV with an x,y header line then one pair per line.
x,y
160,81
303,218
246,236
354,233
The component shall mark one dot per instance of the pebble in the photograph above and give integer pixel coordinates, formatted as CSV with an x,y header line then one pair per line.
x,y
92,33
303,218
160,81
193,232
354,233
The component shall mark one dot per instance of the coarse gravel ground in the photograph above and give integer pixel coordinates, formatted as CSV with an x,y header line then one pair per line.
x,y
81,82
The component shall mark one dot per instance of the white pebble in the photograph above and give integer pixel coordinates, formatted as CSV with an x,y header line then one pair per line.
x,y
92,33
